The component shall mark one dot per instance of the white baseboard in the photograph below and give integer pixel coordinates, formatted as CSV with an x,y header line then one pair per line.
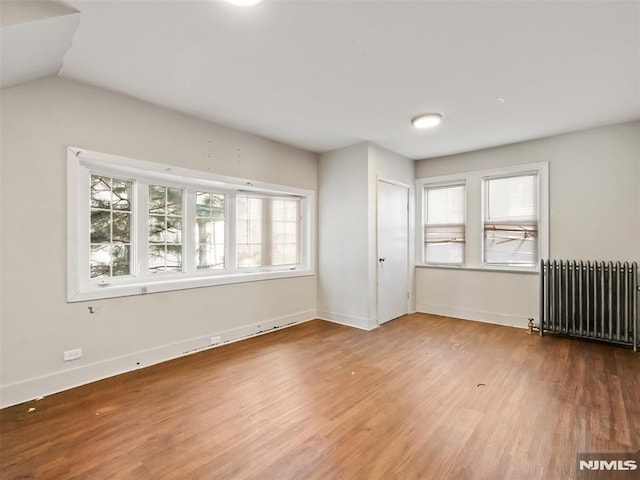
x,y
349,321
475,315
33,388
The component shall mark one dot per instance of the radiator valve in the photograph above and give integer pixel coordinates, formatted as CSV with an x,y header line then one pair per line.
x,y
532,327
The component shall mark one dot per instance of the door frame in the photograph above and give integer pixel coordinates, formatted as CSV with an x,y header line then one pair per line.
x,y
407,187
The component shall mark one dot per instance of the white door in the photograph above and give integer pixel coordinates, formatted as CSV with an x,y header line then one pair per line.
x,y
393,251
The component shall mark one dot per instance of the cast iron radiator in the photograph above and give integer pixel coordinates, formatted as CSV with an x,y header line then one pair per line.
x,y
594,300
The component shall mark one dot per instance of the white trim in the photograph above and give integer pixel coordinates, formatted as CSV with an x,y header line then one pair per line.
x,y
81,288
495,318
505,269
171,282
73,273
175,176
32,388
423,221
348,320
393,182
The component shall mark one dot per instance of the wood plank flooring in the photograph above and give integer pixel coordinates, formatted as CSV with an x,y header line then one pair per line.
x,y
422,397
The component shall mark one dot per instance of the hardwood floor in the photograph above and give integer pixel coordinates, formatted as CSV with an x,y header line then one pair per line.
x,y
422,397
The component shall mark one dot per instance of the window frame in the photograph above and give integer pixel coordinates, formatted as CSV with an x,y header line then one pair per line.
x,y
267,227
194,214
437,185
485,214
81,163
475,208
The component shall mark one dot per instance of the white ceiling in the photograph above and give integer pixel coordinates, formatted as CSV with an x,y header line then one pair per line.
x,y
34,37
328,73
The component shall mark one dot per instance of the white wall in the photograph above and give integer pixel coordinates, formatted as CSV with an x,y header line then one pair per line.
x,y
347,230
39,120
594,178
343,258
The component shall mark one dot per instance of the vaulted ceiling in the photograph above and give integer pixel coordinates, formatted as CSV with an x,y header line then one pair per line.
x,y
325,74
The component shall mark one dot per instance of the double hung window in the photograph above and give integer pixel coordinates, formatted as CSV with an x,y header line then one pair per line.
x,y
444,229
495,219
511,220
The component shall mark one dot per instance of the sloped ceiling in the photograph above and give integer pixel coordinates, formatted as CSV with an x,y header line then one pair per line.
x,y
325,74
34,36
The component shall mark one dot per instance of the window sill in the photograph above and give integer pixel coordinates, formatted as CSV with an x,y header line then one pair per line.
x,y
171,284
519,270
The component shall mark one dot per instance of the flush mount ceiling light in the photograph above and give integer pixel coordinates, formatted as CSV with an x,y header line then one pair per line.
x,y
243,3
427,121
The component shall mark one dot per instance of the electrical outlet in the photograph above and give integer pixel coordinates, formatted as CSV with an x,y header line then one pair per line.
x,y
69,355
215,340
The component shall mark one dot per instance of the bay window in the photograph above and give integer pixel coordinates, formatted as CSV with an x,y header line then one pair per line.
x,y
138,227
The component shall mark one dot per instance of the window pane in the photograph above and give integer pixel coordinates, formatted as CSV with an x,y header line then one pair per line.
x,y
121,227
444,235
284,231
249,228
100,191
204,230
267,231
173,233
210,230
157,199
100,261
249,255
511,197
444,244
120,260
445,205
285,254
157,227
165,229
121,194
511,224
174,258
157,262
210,256
100,226
174,201
110,226
511,244
203,204
109,260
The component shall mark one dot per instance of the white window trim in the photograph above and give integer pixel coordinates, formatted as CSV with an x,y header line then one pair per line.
x,y
475,199
439,184
81,162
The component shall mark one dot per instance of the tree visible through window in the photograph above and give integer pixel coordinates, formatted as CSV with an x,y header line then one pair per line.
x,y
110,227
136,227
210,231
165,229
